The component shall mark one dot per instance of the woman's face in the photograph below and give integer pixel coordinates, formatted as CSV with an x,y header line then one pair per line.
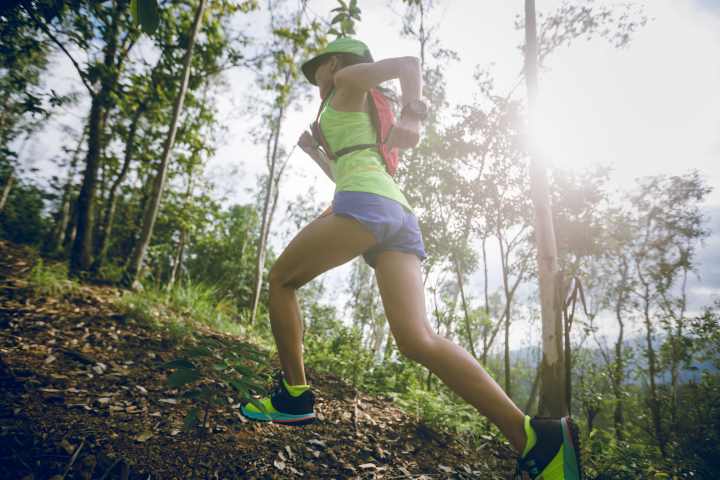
x,y
324,75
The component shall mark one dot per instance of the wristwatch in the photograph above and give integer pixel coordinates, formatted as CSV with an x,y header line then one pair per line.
x,y
415,109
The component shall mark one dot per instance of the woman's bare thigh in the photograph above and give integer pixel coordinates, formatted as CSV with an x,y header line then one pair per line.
x,y
321,245
399,278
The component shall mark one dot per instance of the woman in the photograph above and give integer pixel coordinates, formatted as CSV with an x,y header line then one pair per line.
x,y
371,217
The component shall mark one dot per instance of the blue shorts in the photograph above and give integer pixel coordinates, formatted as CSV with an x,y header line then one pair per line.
x,y
393,226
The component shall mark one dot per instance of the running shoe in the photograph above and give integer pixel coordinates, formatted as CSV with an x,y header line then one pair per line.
x,y
282,406
556,452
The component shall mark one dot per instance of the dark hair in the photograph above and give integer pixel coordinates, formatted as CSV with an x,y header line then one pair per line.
x,y
347,59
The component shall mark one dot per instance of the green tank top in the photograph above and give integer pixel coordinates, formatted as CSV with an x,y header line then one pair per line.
x,y
362,170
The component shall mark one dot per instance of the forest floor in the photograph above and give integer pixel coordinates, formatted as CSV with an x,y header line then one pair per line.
x,y
83,396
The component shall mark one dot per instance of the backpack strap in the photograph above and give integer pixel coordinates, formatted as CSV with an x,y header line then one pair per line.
x,y
317,131
374,96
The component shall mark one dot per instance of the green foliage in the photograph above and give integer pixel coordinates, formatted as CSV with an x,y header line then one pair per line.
x,y
145,13
22,219
52,279
338,350
183,309
343,23
211,363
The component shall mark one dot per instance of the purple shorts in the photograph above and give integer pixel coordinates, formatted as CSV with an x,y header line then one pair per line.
x,y
393,226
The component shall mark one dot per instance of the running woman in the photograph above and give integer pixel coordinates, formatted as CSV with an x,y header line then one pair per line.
x,y
370,216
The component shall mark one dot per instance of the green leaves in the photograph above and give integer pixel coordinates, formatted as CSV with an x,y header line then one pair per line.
x,y
347,15
183,376
210,365
146,14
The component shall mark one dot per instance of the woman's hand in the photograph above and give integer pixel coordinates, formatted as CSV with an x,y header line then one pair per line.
x,y
308,143
405,133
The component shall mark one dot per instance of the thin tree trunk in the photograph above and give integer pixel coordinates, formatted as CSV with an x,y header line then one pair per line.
x,y
107,224
6,189
468,330
58,238
533,390
131,274
552,391
652,372
508,299
619,370
486,344
265,221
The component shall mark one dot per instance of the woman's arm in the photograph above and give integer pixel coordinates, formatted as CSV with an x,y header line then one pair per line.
x,y
308,144
364,76
322,162
352,83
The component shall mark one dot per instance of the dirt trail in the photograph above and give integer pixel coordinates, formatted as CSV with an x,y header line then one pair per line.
x,y
82,396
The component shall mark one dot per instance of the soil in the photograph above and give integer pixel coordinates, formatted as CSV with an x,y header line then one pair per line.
x,y
83,395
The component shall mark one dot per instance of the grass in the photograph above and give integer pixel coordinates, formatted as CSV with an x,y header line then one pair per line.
x,y
52,279
184,308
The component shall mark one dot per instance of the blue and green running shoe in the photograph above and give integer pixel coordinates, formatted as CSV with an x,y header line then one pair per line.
x,y
552,452
287,405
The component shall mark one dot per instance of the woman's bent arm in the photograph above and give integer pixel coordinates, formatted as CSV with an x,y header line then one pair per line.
x,y
364,76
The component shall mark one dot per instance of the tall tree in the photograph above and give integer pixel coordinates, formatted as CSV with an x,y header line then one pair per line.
x,y
108,26
133,268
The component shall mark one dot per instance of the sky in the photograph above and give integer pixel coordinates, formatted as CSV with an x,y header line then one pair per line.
x,y
650,108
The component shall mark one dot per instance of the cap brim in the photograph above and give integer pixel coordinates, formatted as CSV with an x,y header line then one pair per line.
x,y
309,67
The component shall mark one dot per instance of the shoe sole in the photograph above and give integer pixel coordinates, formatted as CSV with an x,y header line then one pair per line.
x,y
571,452
284,419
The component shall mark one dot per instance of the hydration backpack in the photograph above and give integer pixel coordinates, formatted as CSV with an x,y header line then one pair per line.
x,y
382,118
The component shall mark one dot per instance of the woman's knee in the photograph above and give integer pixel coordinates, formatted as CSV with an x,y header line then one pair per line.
x,y
278,278
419,346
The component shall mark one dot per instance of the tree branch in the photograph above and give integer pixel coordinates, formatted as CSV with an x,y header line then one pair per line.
x,y
55,40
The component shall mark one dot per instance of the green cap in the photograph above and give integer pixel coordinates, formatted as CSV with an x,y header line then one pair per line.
x,y
341,45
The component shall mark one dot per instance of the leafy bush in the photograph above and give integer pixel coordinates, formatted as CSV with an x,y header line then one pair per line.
x,y
209,363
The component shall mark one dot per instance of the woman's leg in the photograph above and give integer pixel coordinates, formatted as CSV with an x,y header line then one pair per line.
x,y
325,243
399,278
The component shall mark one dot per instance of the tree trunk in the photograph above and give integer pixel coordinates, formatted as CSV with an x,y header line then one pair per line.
x,y
81,253
486,332
468,330
265,220
508,299
618,376
6,189
107,224
131,274
63,218
552,390
652,372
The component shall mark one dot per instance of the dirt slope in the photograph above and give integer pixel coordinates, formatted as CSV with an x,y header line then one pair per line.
x,y
82,394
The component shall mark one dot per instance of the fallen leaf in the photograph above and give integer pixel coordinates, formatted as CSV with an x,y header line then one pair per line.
x,y
67,446
366,466
171,401
144,436
445,469
279,465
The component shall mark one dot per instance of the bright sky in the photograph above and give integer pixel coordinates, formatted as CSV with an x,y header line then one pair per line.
x,y
650,108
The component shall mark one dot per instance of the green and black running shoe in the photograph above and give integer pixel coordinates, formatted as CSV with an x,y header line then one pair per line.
x,y
287,405
553,451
